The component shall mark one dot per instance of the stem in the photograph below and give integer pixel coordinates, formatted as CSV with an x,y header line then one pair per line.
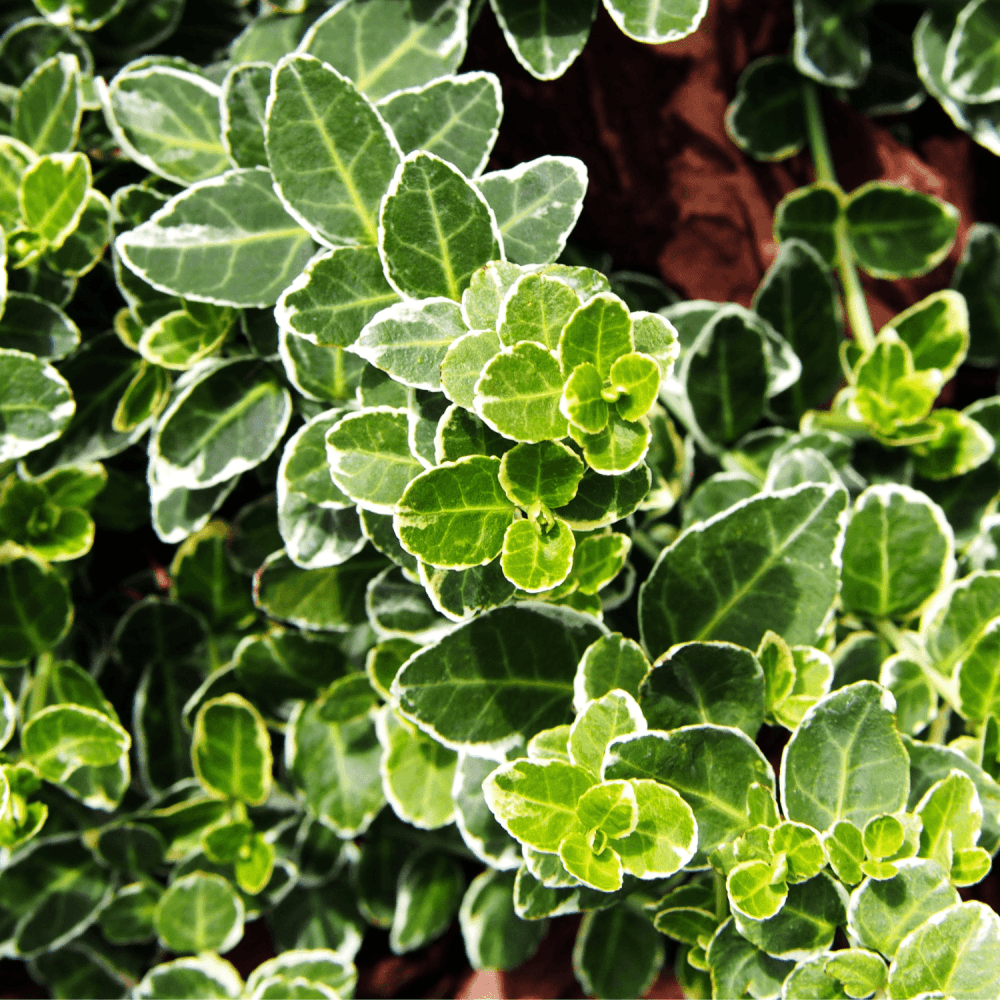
x,y
854,296
721,897
939,727
909,645
40,684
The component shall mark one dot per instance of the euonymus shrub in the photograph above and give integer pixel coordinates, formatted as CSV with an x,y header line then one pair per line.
x,y
410,680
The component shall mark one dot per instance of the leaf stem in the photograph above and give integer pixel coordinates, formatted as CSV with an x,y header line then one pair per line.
x,y
721,898
909,645
854,296
939,727
40,683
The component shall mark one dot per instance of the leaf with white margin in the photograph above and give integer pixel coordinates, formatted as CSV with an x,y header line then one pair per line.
x,y
191,979
332,755
231,750
498,679
336,294
53,196
936,329
666,836
971,68
536,205
657,21
204,245
166,120
481,301
464,362
536,558
545,37
199,912
454,516
460,432
435,229
956,953
952,816
868,773
793,574
331,153
454,117
617,953
739,968
409,340
33,325
536,308
15,158
242,108
599,722
460,594
482,834
226,421
519,392
36,403
370,457
710,766
612,662
618,448
323,374
48,106
955,621
62,738
83,249
317,966
494,934
535,801
177,512
601,500
898,551
385,46
417,772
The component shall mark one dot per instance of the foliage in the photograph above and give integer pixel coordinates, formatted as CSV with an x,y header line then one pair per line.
x,y
523,575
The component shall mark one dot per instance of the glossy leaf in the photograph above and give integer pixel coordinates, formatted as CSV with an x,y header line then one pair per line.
x,y
656,21
199,912
48,108
231,750
546,38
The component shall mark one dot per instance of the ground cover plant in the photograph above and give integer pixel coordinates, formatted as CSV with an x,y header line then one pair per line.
x,y
533,565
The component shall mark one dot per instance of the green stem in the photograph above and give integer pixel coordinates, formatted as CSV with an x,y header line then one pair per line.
x,y
40,685
939,727
645,544
910,646
721,898
854,296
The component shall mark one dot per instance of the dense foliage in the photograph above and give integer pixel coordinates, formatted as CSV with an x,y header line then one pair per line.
x,y
536,565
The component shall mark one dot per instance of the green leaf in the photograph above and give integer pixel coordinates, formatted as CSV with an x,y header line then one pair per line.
x,y
545,473
191,979
798,299
545,38
482,834
456,118
494,934
330,599
199,912
384,47
61,738
698,682
455,515
976,278
322,966
952,815
861,972
459,594
519,392
242,105
409,340
959,444
599,333
831,43
710,766
793,576
167,120
916,700
460,433
810,214
331,153
417,773
224,422
129,917
370,457
598,723
955,954
333,756
536,801
738,967
498,679
617,953
897,552
598,559
936,330
178,341
231,750
753,891
601,500
971,69
536,308
957,620
48,109
582,402
335,296
430,892
805,924
725,375
657,21
854,729
53,195
890,394
464,362
666,835
898,233
482,300
203,245
766,118
35,605
536,558
613,661
398,606
536,205
636,379
324,374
